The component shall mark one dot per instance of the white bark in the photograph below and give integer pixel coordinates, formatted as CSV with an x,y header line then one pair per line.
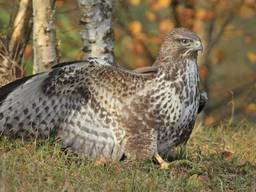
x,y
44,37
97,35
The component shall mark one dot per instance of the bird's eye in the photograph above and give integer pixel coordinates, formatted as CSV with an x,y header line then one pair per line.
x,y
184,41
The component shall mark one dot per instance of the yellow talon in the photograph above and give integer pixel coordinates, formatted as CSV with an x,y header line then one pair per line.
x,y
163,164
168,165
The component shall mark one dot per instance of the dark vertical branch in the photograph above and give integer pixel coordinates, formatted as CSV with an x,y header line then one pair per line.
x,y
174,13
206,60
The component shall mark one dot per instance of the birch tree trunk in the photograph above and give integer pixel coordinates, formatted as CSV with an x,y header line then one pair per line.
x,y
44,36
13,48
97,35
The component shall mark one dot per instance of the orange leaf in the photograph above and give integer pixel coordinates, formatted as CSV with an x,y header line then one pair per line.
x,y
155,40
228,155
135,2
135,27
28,51
59,3
252,57
246,12
138,48
164,3
198,25
248,39
186,15
203,71
209,120
220,55
150,16
250,2
166,26
203,14
160,4
251,108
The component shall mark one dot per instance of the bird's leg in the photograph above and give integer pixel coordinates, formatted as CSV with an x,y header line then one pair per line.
x,y
163,164
168,165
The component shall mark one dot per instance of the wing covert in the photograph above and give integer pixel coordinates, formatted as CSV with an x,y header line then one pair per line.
x,y
38,105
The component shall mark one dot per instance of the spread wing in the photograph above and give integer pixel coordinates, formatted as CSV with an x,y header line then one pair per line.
x,y
40,104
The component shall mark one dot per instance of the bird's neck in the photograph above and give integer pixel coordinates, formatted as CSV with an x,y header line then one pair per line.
x,y
178,70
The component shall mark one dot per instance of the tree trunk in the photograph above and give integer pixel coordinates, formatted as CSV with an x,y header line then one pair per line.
x,y
13,48
97,35
44,36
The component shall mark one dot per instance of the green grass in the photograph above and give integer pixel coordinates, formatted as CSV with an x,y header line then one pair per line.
x,y
223,159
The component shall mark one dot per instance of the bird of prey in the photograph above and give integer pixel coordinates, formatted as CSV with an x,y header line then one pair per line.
x,y
99,110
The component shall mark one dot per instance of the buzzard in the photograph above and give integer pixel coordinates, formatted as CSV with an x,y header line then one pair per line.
x,y
99,110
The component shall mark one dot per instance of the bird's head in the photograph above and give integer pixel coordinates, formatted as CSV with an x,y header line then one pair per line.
x,y
181,42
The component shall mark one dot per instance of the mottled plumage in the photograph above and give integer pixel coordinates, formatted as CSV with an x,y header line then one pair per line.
x,y
99,110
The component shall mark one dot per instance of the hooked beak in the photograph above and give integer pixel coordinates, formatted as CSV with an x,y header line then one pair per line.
x,y
197,46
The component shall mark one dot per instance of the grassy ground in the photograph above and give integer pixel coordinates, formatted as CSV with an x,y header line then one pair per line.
x,y
223,159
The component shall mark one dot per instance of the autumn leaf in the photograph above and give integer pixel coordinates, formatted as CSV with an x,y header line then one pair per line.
x,y
203,71
166,26
128,43
135,2
228,155
198,25
251,108
219,56
160,4
248,39
186,16
150,16
28,51
203,14
250,2
246,12
138,48
252,57
59,3
155,40
135,27
164,3
209,120
232,30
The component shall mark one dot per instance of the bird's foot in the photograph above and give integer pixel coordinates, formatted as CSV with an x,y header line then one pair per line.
x,y
169,165
163,164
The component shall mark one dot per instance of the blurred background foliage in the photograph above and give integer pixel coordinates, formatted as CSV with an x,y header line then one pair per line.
x,y
227,28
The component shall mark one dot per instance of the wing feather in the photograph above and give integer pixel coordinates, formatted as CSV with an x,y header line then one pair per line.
x,y
70,100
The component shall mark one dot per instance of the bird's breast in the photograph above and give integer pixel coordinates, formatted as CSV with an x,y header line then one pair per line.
x,y
177,103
